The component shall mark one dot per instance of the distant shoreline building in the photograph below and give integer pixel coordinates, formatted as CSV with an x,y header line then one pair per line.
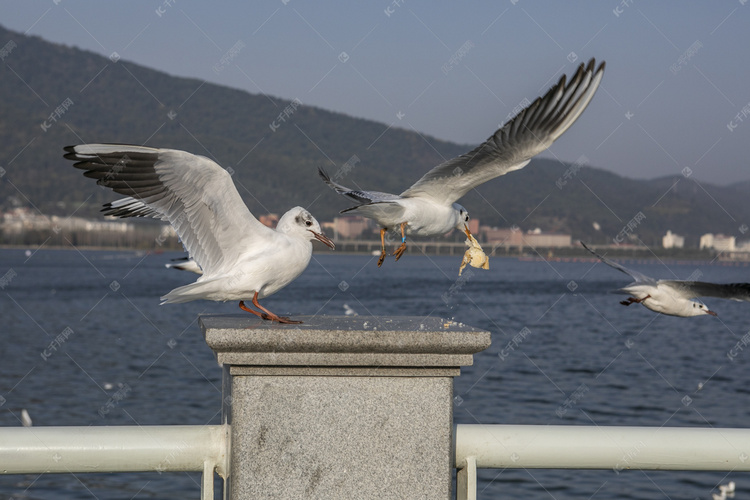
x,y
23,226
514,237
671,240
718,242
269,220
349,226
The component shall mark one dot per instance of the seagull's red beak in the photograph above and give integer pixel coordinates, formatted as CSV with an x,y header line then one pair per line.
x,y
466,230
711,313
323,239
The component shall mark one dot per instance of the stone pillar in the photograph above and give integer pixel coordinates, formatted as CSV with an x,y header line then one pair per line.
x,y
341,407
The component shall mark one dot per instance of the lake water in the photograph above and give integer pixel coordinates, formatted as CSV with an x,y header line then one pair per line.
x,y
583,359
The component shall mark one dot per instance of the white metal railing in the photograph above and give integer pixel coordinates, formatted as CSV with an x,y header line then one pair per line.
x,y
158,448
595,447
205,449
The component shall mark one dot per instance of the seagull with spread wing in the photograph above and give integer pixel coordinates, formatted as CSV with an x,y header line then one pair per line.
x,y
429,208
672,297
239,256
184,264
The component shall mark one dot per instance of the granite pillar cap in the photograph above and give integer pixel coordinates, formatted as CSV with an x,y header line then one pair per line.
x,y
244,340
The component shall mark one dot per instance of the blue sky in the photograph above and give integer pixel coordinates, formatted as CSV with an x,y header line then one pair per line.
x,y
675,95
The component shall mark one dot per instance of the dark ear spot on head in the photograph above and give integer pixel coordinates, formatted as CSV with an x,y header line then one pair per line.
x,y
298,219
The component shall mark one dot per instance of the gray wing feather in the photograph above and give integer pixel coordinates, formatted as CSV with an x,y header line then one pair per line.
x,y
638,277
693,289
379,211
511,147
194,194
129,207
359,196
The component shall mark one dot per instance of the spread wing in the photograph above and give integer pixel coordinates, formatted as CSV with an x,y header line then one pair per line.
x,y
693,289
511,147
383,207
359,196
638,277
193,193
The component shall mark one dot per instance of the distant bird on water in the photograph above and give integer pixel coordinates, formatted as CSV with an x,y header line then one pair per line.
x,y
240,257
429,208
672,297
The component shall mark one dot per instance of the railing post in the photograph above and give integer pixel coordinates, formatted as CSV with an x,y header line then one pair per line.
x,y
466,480
341,407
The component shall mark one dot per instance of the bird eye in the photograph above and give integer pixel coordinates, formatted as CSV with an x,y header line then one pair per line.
x,y
308,223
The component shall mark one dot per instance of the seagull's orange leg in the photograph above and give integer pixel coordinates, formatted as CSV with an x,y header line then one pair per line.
x,y
266,314
245,308
382,246
633,300
400,250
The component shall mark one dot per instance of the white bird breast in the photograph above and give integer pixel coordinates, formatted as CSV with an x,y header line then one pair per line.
x,y
662,300
271,271
427,218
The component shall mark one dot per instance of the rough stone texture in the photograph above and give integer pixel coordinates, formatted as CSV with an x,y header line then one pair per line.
x,y
351,371
343,340
341,407
341,437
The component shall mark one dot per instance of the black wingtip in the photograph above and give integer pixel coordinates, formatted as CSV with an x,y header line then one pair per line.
x,y
590,67
587,248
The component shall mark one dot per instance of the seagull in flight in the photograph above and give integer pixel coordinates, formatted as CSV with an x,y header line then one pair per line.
x,y
672,297
239,256
184,264
429,208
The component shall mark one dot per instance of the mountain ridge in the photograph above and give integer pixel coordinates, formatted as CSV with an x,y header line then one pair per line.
x,y
58,95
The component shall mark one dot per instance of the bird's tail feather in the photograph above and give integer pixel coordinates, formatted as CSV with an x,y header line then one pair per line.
x,y
193,291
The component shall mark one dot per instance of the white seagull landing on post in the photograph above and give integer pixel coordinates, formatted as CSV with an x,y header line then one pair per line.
x,y
240,257
672,297
429,208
